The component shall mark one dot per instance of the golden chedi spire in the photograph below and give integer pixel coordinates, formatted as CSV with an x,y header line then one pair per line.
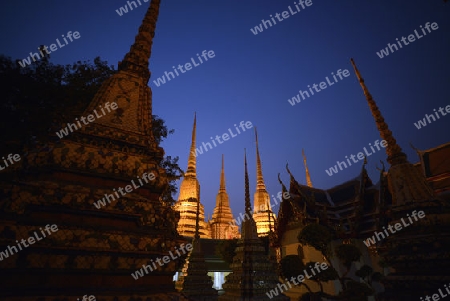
x,y
189,195
259,176
405,182
192,161
263,214
308,176
190,187
222,177
222,226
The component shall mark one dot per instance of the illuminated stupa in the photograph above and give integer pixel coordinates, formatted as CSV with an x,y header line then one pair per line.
x,y
262,214
189,194
222,226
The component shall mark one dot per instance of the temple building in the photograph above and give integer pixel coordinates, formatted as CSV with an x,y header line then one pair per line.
x,y
221,224
262,213
94,250
355,209
188,197
350,208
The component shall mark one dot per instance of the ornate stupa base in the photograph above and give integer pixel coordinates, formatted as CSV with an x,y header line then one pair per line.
x,y
195,282
254,275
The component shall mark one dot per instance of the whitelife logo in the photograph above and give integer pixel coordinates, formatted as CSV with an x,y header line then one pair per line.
x,y
166,259
259,28
65,131
262,208
323,85
398,226
27,61
10,158
110,197
224,136
302,277
423,122
162,80
411,38
12,250
436,296
124,9
360,156
86,298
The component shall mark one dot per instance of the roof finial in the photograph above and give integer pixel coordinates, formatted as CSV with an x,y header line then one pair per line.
x,y
283,188
414,148
287,168
381,169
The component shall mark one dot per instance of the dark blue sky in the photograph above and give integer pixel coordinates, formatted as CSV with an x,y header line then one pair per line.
x,y
252,77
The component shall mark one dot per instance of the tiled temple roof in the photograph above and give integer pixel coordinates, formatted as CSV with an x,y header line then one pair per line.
x,y
435,165
350,206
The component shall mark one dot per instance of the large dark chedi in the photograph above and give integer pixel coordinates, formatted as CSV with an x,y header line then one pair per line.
x,y
94,250
419,253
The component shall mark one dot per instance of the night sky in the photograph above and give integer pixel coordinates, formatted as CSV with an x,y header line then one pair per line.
x,y
251,77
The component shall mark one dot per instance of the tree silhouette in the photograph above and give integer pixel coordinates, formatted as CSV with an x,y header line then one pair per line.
x,y
320,238
39,98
